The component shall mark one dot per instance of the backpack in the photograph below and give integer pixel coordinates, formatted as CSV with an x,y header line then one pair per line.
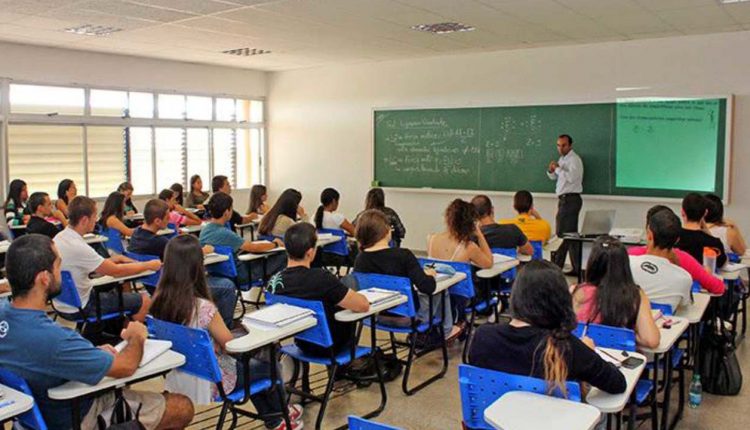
x,y
719,369
122,418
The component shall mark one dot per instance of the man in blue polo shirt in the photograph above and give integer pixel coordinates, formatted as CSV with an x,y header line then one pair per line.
x,y
47,355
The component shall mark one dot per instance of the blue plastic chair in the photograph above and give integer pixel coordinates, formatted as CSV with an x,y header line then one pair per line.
x,y
538,249
734,258
200,361
319,335
31,419
416,327
336,254
150,281
69,296
269,237
481,387
228,269
175,228
509,275
114,240
357,423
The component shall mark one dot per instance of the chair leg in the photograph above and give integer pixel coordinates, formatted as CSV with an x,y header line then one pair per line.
x,y
469,332
393,344
222,416
326,397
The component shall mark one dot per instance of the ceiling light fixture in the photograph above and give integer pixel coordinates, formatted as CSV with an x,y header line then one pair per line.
x,y
443,27
246,52
732,1
93,30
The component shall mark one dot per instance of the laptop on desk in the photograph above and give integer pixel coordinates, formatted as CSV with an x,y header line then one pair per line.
x,y
595,223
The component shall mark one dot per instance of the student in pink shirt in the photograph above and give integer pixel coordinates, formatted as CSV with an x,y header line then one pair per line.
x,y
177,215
708,282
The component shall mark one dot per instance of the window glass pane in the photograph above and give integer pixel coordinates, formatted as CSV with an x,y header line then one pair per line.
x,y
243,110
224,153
249,168
171,106
141,160
46,100
109,103
225,109
197,155
169,161
257,138
256,111
29,144
141,105
199,108
106,159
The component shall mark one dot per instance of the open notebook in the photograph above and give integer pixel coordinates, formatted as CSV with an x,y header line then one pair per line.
x,y
377,295
151,349
499,258
278,315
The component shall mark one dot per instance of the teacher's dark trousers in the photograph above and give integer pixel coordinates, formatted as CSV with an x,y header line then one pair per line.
x,y
566,221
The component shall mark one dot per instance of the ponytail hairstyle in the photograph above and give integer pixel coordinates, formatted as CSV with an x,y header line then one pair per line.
x,y
328,196
375,199
541,299
287,204
460,217
256,197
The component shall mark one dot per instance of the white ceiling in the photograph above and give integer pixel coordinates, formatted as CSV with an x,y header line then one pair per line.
x,y
308,33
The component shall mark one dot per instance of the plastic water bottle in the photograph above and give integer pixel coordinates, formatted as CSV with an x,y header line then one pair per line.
x,y
696,392
709,259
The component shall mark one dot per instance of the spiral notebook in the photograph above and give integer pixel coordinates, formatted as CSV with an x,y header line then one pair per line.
x,y
152,349
278,315
377,295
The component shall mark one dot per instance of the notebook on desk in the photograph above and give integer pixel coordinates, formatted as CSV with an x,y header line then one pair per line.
x,y
278,315
325,236
500,258
377,295
151,349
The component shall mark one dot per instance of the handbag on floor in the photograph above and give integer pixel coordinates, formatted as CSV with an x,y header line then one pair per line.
x,y
719,369
122,417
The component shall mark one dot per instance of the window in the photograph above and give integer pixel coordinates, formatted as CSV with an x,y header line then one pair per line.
x,y
169,161
46,100
109,103
106,159
141,105
30,145
225,109
249,146
171,106
199,108
224,153
256,111
141,160
197,155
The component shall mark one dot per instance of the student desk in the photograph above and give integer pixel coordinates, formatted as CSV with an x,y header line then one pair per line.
x,y
444,284
613,403
251,225
92,239
15,403
584,248
695,310
497,269
4,245
350,316
75,391
520,410
134,217
214,258
663,351
192,229
165,232
106,280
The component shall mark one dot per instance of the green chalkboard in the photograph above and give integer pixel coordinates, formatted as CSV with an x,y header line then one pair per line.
x,y
509,148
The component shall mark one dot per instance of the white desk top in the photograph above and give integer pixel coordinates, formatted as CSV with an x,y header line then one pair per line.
x,y
71,389
4,245
447,283
669,335
523,258
94,238
259,255
520,410
21,403
611,403
731,271
252,223
104,280
260,336
497,269
694,311
327,241
134,217
18,227
349,316
165,232
191,228
214,258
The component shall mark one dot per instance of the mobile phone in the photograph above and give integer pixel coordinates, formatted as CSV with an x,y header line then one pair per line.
x,y
632,362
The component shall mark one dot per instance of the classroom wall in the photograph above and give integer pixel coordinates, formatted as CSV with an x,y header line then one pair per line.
x,y
320,120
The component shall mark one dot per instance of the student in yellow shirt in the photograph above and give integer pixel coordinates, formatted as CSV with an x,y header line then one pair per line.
x,y
529,220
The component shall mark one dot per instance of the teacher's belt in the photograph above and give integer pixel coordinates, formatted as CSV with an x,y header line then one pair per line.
x,y
566,195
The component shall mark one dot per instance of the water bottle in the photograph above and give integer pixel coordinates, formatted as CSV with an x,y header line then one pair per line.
x,y
696,392
709,259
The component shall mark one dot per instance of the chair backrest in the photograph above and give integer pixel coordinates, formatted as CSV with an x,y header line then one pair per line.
x,y
666,310
225,269
696,288
508,252
608,337
357,423
319,334
194,343
150,280
268,237
31,419
68,291
338,248
175,230
538,249
393,283
481,387
734,258
464,288
114,240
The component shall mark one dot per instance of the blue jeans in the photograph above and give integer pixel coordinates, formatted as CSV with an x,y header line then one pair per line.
x,y
266,402
424,310
224,296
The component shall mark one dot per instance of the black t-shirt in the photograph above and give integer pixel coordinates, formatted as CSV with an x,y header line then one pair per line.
x,y
395,262
693,242
41,226
504,236
520,351
145,242
319,285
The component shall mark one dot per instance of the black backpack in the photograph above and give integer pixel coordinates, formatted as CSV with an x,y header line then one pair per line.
x,y
719,369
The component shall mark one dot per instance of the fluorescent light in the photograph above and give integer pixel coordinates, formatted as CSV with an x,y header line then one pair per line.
x,y
632,88
443,27
732,1
246,52
92,30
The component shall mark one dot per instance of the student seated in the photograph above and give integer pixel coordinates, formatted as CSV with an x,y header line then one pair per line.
x,y
126,188
215,233
611,297
146,241
538,341
220,184
196,197
15,203
300,281
707,281
662,281
113,214
258,201
326,215
375,199
499,235
529,220
457,243
283,214
66,191
183,297
47,355
178,216
178,193
80,260
724,228
40,207
695,234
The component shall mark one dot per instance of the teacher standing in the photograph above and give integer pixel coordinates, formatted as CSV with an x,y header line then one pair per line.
x,y
568,172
